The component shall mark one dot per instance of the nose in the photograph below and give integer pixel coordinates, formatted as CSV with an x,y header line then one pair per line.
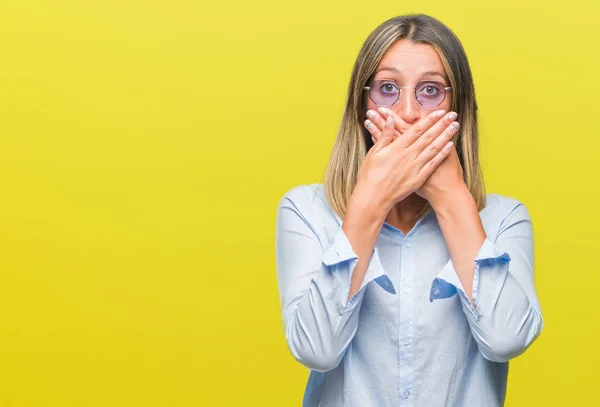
x,y
407,107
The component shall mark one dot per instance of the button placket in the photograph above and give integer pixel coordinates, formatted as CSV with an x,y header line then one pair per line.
x,y
406,352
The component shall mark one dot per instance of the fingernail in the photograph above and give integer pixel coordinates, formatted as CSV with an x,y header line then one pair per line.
x,y
449,145
374,141
389,121
452,116
371,114
440,113
454,126
382,111
369,124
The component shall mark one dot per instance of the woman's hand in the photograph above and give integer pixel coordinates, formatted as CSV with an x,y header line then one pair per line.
x,y
393,170
447,177
376,121
449,173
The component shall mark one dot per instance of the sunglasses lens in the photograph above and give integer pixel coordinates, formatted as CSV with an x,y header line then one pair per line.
x,y
430,93
384,93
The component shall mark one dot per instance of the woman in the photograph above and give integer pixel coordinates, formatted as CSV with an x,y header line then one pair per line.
x,y
401,281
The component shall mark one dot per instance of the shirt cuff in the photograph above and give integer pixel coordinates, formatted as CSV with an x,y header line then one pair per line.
x,y
447,283
340,251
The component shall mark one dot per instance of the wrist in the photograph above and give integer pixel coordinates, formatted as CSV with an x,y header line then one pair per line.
x,y
450,201
368,204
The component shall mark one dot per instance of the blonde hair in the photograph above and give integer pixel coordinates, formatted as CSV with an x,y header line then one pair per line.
x,y
353,140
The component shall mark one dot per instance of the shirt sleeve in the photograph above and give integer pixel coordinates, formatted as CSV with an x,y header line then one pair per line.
x,y
507,316
314,283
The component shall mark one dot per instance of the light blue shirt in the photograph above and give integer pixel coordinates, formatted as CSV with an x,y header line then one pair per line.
x,y
409,336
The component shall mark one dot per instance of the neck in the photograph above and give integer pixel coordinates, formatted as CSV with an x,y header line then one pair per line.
x,y
403,214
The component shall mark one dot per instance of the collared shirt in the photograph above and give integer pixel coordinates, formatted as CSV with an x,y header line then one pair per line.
x,y
410,336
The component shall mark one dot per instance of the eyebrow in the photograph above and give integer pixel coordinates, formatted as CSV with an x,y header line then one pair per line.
x,y
392,69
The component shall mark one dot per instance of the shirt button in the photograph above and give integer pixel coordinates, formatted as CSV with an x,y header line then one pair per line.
x,y
405,341
407,394
436,292
406,290
407,244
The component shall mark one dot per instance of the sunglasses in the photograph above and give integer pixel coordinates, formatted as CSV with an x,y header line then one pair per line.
x,y
386,92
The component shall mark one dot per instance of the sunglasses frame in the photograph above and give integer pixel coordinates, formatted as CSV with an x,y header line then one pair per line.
x,y
446,89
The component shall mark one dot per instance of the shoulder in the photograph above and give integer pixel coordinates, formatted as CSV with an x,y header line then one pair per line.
x,y
304,194
497,204
309,202
502,211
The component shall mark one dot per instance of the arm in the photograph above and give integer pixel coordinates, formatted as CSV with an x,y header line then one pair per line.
x,y
463,232
321,290
362,224
493,276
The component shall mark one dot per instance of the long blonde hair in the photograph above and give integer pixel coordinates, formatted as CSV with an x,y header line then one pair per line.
x,y
353,140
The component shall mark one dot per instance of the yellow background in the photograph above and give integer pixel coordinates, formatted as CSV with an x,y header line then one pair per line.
x,y
144,147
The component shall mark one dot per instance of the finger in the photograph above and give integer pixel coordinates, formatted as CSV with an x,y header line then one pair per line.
x,y
379,118
376,118
432,164
419,128
388,129
384,140
375,130
438,144
401,125
434,131
372,128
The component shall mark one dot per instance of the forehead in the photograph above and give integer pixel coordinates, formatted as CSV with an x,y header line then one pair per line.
x,y
411,58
